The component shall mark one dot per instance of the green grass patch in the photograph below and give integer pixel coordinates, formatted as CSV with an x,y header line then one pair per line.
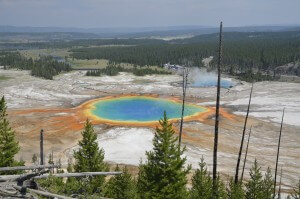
x,y
36,53
88,64
100,64
76,63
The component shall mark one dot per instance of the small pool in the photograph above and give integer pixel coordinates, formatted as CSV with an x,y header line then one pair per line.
x,y
140,109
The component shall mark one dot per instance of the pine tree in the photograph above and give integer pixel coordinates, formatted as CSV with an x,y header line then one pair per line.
x,y
255,183
201,183
235,191
219,191
2,108
89,158
58,163
72,185
50,159
121,186
163,175
9,146
70,165
296,194
34,159
268,185
53,184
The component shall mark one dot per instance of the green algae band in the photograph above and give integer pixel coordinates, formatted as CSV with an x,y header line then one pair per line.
x,y
140,109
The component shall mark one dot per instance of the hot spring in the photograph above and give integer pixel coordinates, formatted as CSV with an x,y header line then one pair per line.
x,y
140,109
202,78
212,82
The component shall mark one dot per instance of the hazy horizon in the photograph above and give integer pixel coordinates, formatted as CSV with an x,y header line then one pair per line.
x,y
147,13
166,26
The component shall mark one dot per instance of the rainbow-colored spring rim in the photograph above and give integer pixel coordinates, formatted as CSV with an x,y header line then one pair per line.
x,y
135,110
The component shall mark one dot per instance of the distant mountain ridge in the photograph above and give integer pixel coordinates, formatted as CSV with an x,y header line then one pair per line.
x,y
241,36
44,36
95,30
145,32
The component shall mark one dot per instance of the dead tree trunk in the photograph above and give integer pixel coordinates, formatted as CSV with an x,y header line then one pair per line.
x,y
245,159
236,179
279,190
42,147
277,158
217,111
184,86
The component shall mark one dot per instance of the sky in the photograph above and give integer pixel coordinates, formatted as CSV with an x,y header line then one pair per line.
x,y
147,13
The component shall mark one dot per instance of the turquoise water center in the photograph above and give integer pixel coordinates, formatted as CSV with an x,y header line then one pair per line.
x,y
141,109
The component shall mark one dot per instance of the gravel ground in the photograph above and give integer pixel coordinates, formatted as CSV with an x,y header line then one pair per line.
x,y
69,90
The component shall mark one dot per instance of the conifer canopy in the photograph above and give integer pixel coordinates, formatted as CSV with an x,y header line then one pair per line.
x,y
164,173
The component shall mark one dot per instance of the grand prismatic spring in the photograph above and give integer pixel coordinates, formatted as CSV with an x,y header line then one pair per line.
x,y
139,109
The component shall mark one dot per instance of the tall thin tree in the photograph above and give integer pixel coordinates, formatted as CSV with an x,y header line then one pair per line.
x,y
279,190
9,146
184,86
215,154
42,147
164,174
236,179
246,153
278,149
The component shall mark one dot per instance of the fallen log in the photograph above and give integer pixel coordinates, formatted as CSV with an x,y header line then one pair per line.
x,y
21,177
28,167
47,194
42,193
7,178
83,174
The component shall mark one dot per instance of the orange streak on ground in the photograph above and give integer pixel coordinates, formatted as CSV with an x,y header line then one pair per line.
x,y
29,111
227,115
62,126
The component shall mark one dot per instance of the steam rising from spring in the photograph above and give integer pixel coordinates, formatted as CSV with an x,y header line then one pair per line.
x,y
202,78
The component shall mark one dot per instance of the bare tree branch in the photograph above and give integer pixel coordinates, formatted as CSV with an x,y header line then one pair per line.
x,y
215,154
185,75
279,191
245,159
242,141
278,149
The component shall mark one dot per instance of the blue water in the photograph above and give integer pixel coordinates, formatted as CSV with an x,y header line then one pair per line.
x,y
212,82
140,109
